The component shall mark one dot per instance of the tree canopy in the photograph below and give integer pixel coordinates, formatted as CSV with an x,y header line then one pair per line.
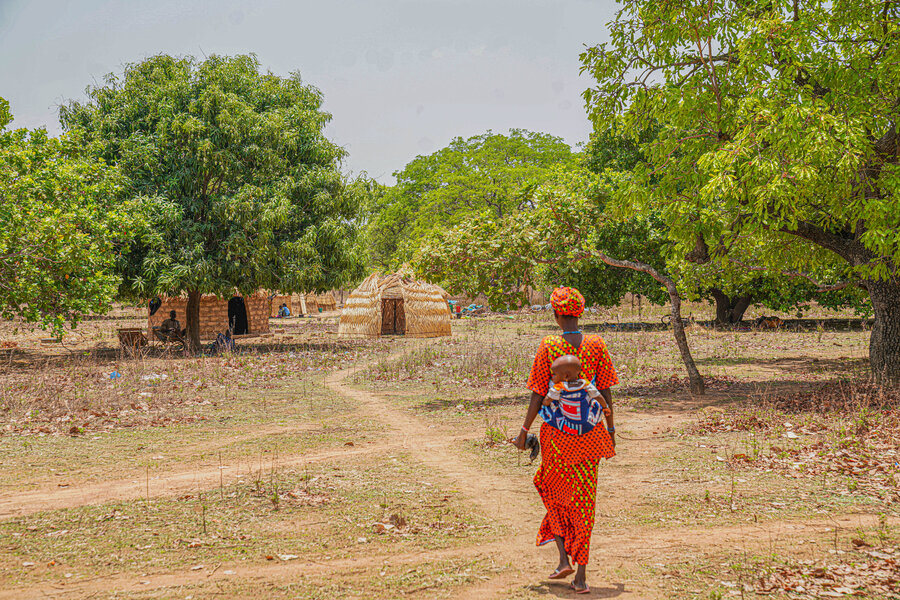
x,y
487,176
241,188
731,280
777,122
533,248
63,219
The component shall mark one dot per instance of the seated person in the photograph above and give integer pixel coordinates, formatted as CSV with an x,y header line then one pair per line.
x,y
284,311
171,329
224,343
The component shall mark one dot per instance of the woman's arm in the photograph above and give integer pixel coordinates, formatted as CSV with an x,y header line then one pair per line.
x,y
534,407
610,421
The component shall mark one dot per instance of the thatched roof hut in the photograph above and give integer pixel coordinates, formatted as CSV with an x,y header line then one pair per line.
x,y
395,304
325,301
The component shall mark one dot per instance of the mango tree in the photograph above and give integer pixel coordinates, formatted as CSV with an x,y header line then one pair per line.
x,y
484,177
777,120
728,277
63,221
242,189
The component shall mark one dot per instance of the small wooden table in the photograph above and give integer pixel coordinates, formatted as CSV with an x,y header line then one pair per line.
x,y
132,339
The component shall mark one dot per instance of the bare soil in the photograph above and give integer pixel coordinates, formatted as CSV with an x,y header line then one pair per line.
x,y
411,491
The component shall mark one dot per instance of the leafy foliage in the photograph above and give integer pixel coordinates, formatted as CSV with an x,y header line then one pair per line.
x,y
551,244
241,187
724,274
62,221
771,115
501,256
485,177
774,117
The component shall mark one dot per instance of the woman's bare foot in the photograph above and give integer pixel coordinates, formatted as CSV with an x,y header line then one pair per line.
x,y
565,568
579,583
562,571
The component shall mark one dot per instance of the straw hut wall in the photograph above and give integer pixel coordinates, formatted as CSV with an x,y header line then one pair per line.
x,y
326,301
278,300
216,313
395,305
316,301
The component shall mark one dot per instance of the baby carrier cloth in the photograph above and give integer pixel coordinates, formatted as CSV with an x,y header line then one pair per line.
x,y
574,408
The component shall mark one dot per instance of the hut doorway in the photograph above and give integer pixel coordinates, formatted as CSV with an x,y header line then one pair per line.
x,y
237,316
393,317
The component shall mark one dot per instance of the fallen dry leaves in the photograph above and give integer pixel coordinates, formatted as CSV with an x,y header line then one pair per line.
x,y
839,429
867,571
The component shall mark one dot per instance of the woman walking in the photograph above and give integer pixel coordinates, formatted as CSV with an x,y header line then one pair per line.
x,y
567,479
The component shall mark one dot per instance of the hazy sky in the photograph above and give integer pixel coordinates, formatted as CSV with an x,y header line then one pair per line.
x,y
401,77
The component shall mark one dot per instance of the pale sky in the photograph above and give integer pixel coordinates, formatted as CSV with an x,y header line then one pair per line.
x,y
401,77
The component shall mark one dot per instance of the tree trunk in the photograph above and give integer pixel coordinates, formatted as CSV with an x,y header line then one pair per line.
x,y
740,307
730,310
698,386
884,345
192,322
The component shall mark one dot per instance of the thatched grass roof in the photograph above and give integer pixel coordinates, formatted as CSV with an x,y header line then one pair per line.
x,y
424,305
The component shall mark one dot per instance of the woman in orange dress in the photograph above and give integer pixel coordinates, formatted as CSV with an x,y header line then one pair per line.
x,y
567,478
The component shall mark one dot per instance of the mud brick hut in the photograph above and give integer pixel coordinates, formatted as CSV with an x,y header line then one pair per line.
x,y
293,303
303,304
395,304
245,314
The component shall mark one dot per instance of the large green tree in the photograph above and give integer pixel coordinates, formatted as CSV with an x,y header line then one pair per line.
x,y
569,229
503,259
487,176
241,187
730,279
778,121
63,219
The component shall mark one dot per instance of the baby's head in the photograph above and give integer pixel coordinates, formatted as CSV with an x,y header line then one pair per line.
x,y
566,368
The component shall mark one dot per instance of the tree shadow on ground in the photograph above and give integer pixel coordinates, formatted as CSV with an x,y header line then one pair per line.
x,y
798,325
520,399
795,364
668,398
561,589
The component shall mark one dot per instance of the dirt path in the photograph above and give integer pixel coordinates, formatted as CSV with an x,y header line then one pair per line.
x,y
158,484
623,548
512,503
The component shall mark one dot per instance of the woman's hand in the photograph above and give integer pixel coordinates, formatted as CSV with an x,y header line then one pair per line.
x,y
519,441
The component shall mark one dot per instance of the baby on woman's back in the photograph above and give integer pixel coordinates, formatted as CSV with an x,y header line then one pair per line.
x,y
572,405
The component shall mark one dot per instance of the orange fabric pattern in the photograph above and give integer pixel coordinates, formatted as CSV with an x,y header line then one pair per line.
x,y
567,484
567,301
567,478
595,361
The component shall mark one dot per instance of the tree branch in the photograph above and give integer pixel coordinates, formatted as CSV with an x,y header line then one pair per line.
x,y
820,287
849,249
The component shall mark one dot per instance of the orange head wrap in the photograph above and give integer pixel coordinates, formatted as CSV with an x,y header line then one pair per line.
x,y
567,301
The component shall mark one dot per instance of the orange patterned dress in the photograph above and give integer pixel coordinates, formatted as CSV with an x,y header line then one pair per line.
x,y
567,479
